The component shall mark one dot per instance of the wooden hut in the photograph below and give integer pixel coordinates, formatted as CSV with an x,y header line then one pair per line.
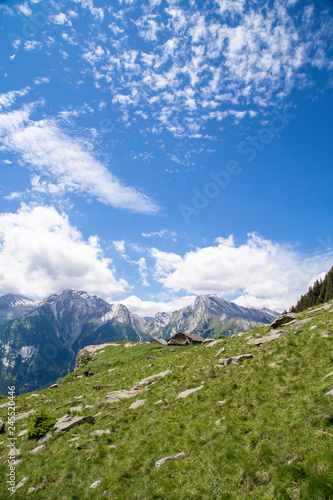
x,y
185,339
159,341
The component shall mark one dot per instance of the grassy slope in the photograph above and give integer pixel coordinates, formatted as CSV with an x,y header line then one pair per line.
x,y
274,440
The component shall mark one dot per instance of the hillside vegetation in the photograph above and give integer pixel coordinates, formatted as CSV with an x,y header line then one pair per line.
x,y
259,429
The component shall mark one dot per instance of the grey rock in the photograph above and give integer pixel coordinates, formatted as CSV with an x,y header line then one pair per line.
x,y
20,416
96,483
54,386
235,359
45,438
220,351
163,461
186,393
282,320
269,338
149,380
98,387
214,342
114,397
136,404
67,422
100,432
36,450
22,433
299,324
222,402
328,375
329,392
21,483
75,408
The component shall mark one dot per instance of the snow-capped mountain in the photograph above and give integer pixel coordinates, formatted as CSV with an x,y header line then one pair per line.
x,y
15,306
42,342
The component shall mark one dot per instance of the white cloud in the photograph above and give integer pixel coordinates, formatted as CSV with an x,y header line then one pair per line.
x,y
66,161
261,271
119,246
6,100
32,45
61,19
164,233
150,307
42,253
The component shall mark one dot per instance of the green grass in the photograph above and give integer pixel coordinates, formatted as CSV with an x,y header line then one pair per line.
x,y
274,440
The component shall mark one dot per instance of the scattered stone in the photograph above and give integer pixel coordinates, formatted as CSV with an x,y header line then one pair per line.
x,y
235,359
98,414
33,396
111,370
4,405
282,320
2,426
75,408
136,404
299,324
30,490
67,422
79,446
114,397
45,438
112,446
313,327
215,342
222,402
159,402
325,334
98,387
100,432
184,394
329,392
78,397
88,373
218,422
36,450
54,386
149,380
21,483
73,439
129,345
78,377
89,406
278,334
220,351
96,483
20,416
273,365
22,433
328,375
149,366
163,461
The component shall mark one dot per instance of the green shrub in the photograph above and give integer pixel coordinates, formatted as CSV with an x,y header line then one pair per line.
x,y
40,424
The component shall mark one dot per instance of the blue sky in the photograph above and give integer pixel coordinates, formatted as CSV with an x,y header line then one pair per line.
x,y
153,151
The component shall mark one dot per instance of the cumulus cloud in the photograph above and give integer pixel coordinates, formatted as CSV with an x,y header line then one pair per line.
x,y
150,307
50,151
259,271
42,253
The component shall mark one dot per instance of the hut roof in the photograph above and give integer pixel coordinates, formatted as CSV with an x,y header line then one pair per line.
x,y
159,341
192,336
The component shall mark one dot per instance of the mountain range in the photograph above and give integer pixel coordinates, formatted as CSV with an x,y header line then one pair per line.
x,y
39,340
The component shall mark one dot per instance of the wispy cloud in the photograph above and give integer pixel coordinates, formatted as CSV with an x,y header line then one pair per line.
x,y
208,67
66,162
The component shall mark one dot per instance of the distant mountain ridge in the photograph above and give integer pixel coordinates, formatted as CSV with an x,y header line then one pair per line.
x,y
40,340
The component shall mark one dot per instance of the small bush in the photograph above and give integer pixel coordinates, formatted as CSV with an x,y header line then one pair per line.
x,y
40,424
